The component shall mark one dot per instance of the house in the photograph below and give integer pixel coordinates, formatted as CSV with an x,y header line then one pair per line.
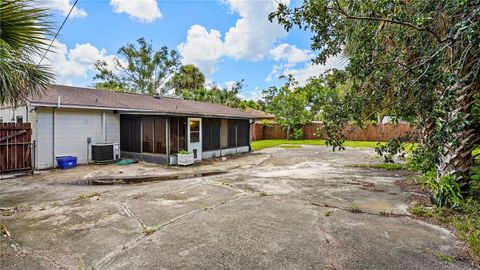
x,y
260,116
69,120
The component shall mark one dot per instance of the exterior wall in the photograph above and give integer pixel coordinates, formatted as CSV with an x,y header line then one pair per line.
x,y
10,114
61,131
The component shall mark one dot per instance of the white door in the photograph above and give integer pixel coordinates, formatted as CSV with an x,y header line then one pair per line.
x,y
195,137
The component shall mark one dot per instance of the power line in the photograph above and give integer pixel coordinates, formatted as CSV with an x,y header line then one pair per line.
x,y
56,34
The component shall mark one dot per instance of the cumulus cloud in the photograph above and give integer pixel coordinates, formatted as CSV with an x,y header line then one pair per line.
x,y
289,53
144,10
253,34
311,69
62,5
251,38
203,48
73,64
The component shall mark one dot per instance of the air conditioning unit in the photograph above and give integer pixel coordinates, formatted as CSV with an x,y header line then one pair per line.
x,y
103,152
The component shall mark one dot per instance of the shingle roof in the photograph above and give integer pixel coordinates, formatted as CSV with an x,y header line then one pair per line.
x,y
87,97
259,114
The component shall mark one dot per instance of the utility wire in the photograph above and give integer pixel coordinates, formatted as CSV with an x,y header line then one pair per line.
x,y
58,31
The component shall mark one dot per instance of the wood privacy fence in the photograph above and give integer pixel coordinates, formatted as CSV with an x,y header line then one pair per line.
x,y
374,132
15,147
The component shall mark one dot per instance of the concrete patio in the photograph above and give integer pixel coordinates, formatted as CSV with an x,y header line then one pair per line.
x,y
273,209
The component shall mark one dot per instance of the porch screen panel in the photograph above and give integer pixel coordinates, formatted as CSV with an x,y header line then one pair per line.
x,y
243,132
210,134
178,131
130,140
232,132
160,139
223,133
173,135
148,124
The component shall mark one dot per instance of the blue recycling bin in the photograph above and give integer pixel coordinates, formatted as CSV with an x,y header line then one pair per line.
x,y
66,162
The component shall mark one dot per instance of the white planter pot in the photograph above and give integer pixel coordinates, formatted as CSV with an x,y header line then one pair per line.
x,y
185,159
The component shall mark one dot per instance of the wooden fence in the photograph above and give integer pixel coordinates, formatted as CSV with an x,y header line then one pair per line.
x,y
374,132
15,147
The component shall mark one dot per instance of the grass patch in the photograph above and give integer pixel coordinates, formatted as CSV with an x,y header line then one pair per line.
x,y
288,146
328,213
85,196
149,230
385,166
354,209
262,144
464,220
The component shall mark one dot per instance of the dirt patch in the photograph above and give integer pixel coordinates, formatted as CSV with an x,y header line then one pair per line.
x,y
360,183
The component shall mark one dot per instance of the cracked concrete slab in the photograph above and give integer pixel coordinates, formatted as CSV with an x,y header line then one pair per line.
x,y
276,208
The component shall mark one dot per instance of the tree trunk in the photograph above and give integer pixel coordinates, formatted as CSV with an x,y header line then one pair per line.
x,y
456,156
288,132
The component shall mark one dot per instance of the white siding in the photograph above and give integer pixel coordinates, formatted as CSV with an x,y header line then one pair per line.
x,y
72,128
10,115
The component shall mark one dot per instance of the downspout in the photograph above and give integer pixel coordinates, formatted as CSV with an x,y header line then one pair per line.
x,y
53,137
250,131
104,131
167,146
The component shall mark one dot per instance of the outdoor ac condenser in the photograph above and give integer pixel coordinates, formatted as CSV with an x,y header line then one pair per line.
x,y
103,152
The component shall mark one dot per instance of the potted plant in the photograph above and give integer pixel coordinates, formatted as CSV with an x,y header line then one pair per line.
x,y
184,157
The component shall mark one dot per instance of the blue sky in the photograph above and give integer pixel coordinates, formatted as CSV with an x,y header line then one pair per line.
x,y
229,40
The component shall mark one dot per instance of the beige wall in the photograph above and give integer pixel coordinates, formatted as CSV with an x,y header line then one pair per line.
x,y
69,136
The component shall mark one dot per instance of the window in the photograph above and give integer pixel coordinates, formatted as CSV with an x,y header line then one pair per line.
x,y
194,131
19,119
243,132
160,138
147,123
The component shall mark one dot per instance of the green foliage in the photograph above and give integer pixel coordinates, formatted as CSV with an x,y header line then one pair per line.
x,y
183,152
445,189
187,78
288,103
25,33
385,166
146,70
225,96
415,60
297,134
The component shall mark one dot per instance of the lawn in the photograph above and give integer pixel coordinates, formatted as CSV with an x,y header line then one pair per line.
x,y
262,144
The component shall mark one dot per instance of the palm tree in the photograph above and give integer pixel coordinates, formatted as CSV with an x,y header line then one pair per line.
x,y
189,77
24,32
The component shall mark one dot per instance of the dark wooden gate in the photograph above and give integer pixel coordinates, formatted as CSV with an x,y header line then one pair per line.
x,y
15,147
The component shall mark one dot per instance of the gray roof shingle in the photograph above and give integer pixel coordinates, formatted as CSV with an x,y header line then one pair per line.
x,y
95,98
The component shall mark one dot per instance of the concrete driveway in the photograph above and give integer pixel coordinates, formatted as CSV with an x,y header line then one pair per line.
x,y
277,208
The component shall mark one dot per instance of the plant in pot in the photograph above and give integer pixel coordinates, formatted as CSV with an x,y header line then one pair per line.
x,y
184,157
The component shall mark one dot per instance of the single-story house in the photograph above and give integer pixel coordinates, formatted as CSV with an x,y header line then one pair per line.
x,y
69,120
260,116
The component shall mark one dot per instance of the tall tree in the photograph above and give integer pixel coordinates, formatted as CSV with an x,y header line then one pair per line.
x,y
289,105
226,96
420,59
188,77
24,32
146,71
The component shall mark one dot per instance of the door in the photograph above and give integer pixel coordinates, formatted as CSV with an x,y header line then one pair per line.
x,y
195,137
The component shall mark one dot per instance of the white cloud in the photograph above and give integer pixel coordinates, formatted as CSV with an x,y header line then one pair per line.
x,y
310,69
74,64
230,84
253,34
202,48
62,5
289,53
142,10
255,94
251,38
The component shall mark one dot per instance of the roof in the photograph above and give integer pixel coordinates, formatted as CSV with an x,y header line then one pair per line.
x,y
79,97
259,114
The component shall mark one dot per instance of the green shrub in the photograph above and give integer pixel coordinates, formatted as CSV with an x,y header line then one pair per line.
x,y
445,190
297,134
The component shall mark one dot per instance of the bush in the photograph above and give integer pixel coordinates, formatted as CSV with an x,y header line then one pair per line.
x,y
297,134
445,190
